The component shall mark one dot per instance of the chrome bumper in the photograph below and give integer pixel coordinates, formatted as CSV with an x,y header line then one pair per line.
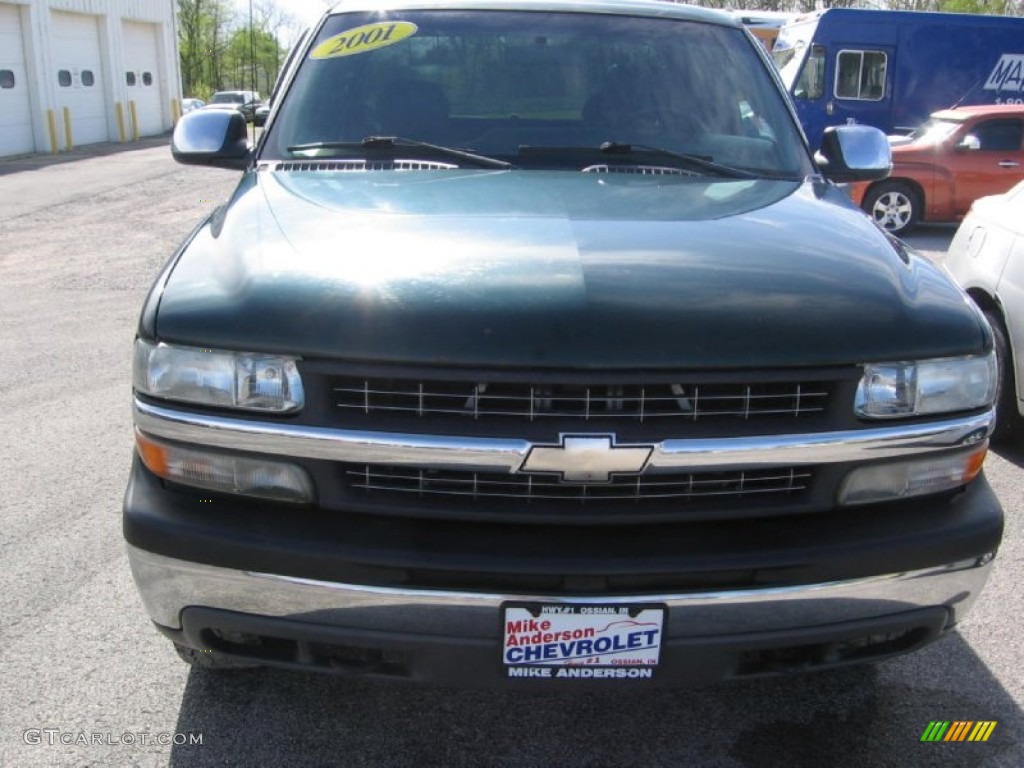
x,y
168,586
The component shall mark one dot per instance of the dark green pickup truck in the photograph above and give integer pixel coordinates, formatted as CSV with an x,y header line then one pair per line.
x,y
535,349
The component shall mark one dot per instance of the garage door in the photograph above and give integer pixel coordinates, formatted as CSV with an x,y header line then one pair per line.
x,y
143,76
79,74
15,107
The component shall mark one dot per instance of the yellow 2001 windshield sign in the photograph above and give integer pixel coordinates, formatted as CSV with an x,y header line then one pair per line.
x,y
368,37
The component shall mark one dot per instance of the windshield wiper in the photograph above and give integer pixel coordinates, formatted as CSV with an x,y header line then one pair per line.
x,y
693,162
398,142
702,162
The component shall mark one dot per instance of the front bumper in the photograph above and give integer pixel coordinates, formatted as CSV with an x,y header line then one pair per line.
x,y
455,638
309,588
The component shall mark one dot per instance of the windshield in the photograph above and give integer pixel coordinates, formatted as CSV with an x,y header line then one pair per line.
x,y
934,131
228,98
495,83
791,48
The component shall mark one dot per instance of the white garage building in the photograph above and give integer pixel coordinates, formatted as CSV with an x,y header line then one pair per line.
x,y
83,71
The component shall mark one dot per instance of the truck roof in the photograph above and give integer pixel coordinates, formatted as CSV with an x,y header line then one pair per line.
x,y
965,113
654,8
886,15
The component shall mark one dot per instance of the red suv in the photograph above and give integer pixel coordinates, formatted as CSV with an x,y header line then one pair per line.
x,y
956,157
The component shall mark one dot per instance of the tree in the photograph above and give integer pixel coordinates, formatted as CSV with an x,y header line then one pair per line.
x,y
190,45
246,41
217,46
272,21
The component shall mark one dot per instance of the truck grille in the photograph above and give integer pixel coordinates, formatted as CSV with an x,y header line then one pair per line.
x,y
573,403
703,486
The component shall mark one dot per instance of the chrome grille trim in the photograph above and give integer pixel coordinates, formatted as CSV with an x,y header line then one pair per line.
x,y
482,454
527,487
478,400
356,165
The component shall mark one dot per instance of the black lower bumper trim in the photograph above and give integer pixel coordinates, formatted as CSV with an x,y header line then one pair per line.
x,y
476,663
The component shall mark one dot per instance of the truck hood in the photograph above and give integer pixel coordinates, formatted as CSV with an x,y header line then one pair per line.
x,y
555,269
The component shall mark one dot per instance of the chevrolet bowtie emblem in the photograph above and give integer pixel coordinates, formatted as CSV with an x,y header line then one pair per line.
x,y
587,459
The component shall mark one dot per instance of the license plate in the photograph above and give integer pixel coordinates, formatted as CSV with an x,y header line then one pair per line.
x,y
581,641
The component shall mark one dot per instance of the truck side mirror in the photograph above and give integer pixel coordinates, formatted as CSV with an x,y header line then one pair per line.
x,y
969,143
854,153
212,137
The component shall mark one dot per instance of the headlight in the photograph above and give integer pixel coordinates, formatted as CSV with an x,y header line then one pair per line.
x,y
212,377
224,472
894,390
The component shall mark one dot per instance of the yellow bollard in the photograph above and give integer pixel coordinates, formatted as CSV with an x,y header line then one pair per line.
x,y
135,120
119,113
175,112
51,123
69,138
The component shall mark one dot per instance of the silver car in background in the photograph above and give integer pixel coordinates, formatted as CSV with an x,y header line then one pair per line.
x,y
987,258
187,105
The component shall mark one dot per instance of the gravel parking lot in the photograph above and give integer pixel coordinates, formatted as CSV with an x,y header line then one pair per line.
x,y
87,681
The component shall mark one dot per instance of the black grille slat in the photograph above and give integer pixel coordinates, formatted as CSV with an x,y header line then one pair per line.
x,y
526,487
531,402
356,165
638,170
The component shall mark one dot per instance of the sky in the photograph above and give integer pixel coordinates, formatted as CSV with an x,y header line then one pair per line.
x,y
306,11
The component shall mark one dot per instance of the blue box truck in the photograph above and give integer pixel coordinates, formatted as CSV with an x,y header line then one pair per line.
x,y
891,69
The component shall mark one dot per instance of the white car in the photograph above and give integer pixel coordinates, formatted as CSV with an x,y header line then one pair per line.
x,y
187,105
987,258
